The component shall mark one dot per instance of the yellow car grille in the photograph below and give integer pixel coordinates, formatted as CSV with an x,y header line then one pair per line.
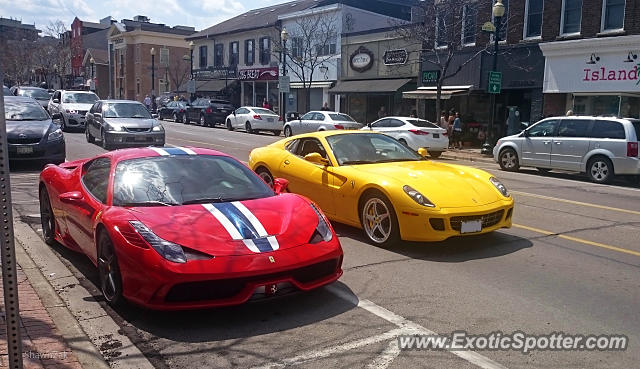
x,y
488,220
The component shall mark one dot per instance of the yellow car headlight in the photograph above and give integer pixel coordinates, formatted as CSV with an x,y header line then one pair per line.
x,y
418,197
503,190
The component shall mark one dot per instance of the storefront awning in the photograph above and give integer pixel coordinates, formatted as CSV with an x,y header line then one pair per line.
x,y
208,86
368,86
430,93
323,84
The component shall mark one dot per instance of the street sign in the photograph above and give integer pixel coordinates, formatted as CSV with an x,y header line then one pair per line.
x,y
191,86
284,83
488,27
430,77
495,82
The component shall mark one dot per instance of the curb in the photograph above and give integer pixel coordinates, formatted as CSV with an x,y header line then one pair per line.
x,y
79,318
467,157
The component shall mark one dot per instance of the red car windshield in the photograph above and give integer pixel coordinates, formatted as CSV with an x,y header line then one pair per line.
x,y
185,179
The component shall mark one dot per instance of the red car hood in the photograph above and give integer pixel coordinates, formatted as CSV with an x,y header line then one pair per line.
x,y
234,228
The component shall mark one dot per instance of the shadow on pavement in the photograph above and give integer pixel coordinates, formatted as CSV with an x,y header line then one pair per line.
x,y
26,166
453,250
621,181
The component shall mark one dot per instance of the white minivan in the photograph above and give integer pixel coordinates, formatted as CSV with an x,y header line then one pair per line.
x,y
601,147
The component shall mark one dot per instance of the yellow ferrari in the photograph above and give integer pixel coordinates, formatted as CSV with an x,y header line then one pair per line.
x,y
370,180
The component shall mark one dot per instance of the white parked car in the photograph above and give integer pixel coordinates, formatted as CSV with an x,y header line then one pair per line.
x,y
72,107
414,133
320,121
253,119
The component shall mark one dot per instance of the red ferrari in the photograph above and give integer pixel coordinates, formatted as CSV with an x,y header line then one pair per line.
x,y
186,228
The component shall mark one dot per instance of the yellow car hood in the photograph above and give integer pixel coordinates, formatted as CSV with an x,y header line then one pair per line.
x,y
447,186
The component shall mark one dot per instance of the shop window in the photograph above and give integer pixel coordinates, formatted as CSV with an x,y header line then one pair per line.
x,y
469,24
571,16
613,14
203,56
533,18
218,57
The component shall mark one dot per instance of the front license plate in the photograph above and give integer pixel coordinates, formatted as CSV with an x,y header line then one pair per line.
x,y
140,138
471,226
25,149
436,135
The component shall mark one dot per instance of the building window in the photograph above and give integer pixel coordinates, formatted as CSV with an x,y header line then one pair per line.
x,y
203,56
163,85
233,53
504,22
138,86
469,24
441,29
329,48
533,18
121,63
136,53
296,47
571,16
612,14
164,56
218,56
249,52
265,50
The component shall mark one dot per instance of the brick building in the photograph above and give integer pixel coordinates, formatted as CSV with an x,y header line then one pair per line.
x,y
12,29
86,35
130,45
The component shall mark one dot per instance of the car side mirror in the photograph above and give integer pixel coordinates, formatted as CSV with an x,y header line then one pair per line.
x,y
316,158
280,185
56,101
154,115
423,152
73,197
525,133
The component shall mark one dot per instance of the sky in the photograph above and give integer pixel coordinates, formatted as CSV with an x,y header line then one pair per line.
x,y
197,13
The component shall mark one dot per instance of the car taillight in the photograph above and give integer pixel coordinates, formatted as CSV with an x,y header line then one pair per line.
x,y
181,111
418,132
632,149
258,117
208,111
338,126
445,133
280,119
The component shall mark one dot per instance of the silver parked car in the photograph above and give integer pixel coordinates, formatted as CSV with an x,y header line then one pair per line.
x,y
72,107
601,147
320,121
123,123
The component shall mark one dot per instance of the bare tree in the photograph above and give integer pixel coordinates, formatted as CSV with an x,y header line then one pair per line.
x,y
62,53
178,72
312,43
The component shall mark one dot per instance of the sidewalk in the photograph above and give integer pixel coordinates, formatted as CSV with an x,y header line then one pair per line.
x,y
42,345
468,155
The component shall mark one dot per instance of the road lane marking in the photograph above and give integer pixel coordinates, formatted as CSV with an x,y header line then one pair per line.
x,y
198,142
386,357
576,202
579,240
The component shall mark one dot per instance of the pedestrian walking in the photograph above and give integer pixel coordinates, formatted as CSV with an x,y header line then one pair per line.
x,y
325,107
382,112
265,104
147,102
457,131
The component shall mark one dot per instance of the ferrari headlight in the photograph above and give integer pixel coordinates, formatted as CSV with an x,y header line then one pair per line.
x,y
157,128
168,250
323,231
55,135
503,190
418,197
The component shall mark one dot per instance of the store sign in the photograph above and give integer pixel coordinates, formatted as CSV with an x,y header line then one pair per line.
x,y
212,73
395,57
258,74
613,72
430,77
361,60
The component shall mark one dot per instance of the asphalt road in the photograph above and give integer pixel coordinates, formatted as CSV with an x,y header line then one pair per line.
x,y
571,264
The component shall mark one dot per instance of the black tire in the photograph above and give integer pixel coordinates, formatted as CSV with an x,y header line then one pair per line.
x,y
175,117
544,170
600,169
247,127
229,126
374,230
203,121
276,133
266,176
435,154
88,136
109,271
103,141
47,218
63,124
185,118
287,131
508,160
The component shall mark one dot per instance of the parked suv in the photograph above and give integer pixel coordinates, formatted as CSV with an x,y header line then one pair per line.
x,y
208,112
72,107
601,147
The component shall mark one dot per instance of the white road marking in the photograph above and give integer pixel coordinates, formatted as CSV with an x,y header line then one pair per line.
x,y
386,357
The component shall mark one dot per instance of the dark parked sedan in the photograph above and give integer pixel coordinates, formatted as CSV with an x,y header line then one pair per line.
x,y
209,112
175,110
31,133
36,93
122,123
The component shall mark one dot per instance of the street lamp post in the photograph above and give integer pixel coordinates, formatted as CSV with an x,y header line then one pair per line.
x,y
153,79
191,46
285,36
498,13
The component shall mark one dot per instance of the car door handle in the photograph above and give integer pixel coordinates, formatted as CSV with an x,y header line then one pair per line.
x,y
558,143
546,142
287,162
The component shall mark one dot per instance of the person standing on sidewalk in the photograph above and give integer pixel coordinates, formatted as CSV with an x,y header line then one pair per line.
x,y
457,131
147,102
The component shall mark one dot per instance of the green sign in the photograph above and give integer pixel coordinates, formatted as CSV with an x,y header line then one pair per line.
x,y
495,82
430,77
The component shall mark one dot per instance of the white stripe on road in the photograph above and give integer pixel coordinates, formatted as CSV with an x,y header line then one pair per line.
x,y
387,356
